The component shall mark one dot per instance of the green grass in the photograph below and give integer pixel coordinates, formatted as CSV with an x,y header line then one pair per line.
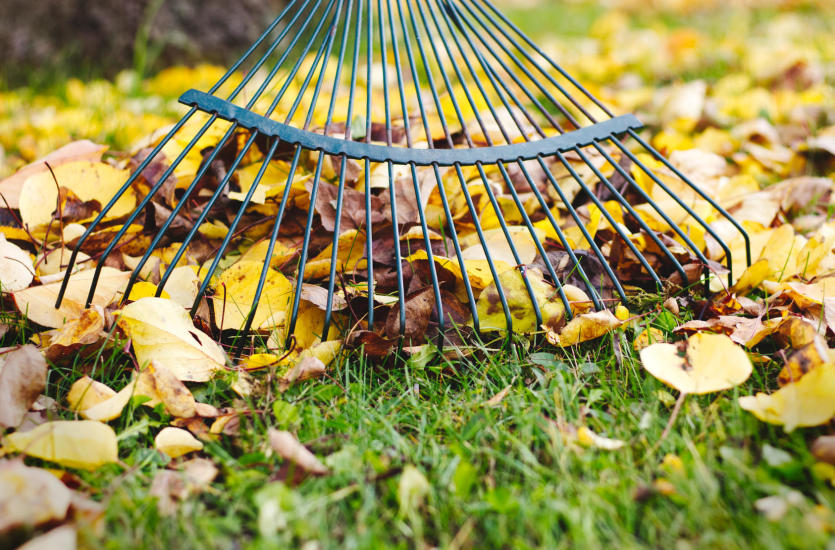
x,y
501,477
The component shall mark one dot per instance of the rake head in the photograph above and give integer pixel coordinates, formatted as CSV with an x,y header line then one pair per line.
x,y
407,167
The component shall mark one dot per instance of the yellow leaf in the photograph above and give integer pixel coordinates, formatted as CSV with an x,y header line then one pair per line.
x,y
86,392
83,444
751,278
38,302
144,289
182,285
808,402
112,407
712,363
235,290
176,442
582,328
162,331
499,247
260,361
491,313
87,180
349,256
588,438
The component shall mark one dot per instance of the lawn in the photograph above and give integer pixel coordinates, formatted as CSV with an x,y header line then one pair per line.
x,y
511,442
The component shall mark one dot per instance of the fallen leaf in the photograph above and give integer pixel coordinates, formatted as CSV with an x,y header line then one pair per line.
x,y
288,447
76,151
87,180
520,304
162,331
174,395
712,363
411,490
16,268
307,368
37,303
584,327
235,289
63,538
88,329
175,442
497,399
102,410
808,402
83,444
22,380
30,497
823,448
588,438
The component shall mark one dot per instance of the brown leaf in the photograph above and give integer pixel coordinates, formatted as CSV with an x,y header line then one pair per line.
x,y
68,340
22,379
418,310
288,447
823,448
309,367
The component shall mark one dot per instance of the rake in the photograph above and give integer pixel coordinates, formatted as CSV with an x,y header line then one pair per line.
x,y
404,120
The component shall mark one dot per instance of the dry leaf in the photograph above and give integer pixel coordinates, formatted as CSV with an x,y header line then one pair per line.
x,y
584,327
16,268
95,401
588,438
307,368
30,497
808,402
89,181
162,331
60,538
235,290
497,399
22,380
38,302
288,447
823,448
88,329
712,363
174,395
83,444
175,442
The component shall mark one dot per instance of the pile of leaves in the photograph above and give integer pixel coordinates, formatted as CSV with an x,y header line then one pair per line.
x,y
760,140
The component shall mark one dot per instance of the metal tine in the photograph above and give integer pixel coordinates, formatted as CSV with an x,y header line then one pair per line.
x,y
291,175
658,156
532,45
489,69
166,175
490,74
631,181
684,205
519,64
415,182
641,258
466,192
317,178
247,199
369,230
512,74
401,297
493,80
557,126
678,267
343,166
221,186
155,151
438,179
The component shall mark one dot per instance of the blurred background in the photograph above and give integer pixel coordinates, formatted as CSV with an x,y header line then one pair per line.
x,y
111,71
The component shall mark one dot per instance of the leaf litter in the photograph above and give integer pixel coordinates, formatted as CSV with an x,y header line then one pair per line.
x,y
756,140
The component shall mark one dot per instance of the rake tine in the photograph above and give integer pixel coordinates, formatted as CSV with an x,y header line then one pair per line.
x,y
701,192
